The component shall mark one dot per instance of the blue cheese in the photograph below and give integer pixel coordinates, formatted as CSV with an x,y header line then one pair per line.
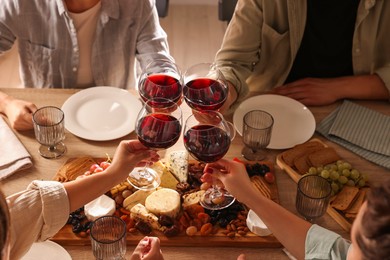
x,y
177,163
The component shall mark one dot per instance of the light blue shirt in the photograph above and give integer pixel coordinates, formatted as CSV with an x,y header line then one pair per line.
x,y
325,244
48,47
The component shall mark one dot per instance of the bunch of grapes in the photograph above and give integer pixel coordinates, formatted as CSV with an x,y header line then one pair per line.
x,y
339,174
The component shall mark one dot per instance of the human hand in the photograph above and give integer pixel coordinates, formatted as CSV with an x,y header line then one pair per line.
x,y
233,175
130,154
148,248
19,113
312,91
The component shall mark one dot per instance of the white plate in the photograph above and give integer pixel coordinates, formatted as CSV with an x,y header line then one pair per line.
x,y
293,122
101,113
47,250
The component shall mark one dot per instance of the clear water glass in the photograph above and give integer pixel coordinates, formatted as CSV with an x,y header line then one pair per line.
x,y
108,238
257,130
313,193
49,128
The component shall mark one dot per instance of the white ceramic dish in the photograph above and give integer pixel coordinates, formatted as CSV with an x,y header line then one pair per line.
x,y
101,113
47,250
293,122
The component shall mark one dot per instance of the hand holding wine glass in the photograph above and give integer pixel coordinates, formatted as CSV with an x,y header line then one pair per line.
x,y
161,79
158,126
207,138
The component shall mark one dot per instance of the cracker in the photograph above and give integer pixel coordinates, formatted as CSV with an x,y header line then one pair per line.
x,y
74,168
323,157
345,198
297,151
262,186
357,203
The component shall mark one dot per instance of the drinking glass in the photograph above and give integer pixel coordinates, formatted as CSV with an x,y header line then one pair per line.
x,y
205,87
158,126
108,238
256,135
50,131
161,79
207,138
313,193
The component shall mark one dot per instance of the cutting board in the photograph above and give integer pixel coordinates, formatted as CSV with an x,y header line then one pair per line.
x,y
66,236
335,214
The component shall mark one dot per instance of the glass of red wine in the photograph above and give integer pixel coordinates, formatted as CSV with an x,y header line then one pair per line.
x,y
207,138
205,87
158,127
161,78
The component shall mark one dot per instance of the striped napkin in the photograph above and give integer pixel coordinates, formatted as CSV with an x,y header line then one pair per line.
x,y
13,155
361,130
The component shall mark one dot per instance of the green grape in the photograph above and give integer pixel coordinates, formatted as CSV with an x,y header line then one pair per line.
x,y
347,166
333,167
350,183
355,174
343,179
346,173
325,174
340,186
335,187
364,176
320,169
361,183
313,170
334,175
339,162
328,167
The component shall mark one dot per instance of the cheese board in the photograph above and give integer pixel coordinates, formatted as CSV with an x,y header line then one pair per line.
x,y
235,233
338,215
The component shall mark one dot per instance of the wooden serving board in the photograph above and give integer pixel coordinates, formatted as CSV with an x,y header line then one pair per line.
x,y
335,214
66,236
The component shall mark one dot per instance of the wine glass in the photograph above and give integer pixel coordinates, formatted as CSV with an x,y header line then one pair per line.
x,y
256,135
205,87
49,131
313,193
161,78
207,138
158,126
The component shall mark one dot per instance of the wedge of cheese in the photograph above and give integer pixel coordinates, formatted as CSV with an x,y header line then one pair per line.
x,y
192,198
139,211
167,179
164,202
177,163
137,197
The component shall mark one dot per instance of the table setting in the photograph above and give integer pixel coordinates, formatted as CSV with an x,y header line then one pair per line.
x,y
96,119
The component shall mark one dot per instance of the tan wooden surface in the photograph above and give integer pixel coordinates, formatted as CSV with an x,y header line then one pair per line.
x,y
45,169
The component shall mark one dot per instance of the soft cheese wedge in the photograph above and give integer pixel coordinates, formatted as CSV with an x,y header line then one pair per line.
x,y
177,163
137,197
192,198
164,202
139,211
99,207
167,179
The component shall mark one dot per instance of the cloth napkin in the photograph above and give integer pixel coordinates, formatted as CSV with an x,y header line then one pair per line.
x,y
361,130
13,155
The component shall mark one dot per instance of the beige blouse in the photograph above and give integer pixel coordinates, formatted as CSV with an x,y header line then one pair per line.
x,y
37,214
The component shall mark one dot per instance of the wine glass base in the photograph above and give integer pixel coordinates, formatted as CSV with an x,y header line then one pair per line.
x,y
213,199
248,154
144,178
52,152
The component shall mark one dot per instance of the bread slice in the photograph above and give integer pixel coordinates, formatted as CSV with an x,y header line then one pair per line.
x,y
297,151
323,157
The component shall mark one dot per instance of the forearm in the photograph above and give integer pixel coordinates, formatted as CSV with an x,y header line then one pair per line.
x,y
288,228
84,190
4,100
370,87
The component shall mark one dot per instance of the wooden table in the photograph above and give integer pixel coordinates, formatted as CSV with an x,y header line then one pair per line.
x,y
45,169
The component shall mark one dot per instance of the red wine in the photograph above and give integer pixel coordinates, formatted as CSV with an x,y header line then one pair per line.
x,y
160,86
158,131
207,143
205,94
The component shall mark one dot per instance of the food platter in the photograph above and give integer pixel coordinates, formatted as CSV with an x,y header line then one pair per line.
x,y
218,236
339,216
293,122
101,113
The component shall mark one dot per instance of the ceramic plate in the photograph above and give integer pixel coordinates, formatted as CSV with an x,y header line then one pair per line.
x,y
293,122
101,113
47,250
